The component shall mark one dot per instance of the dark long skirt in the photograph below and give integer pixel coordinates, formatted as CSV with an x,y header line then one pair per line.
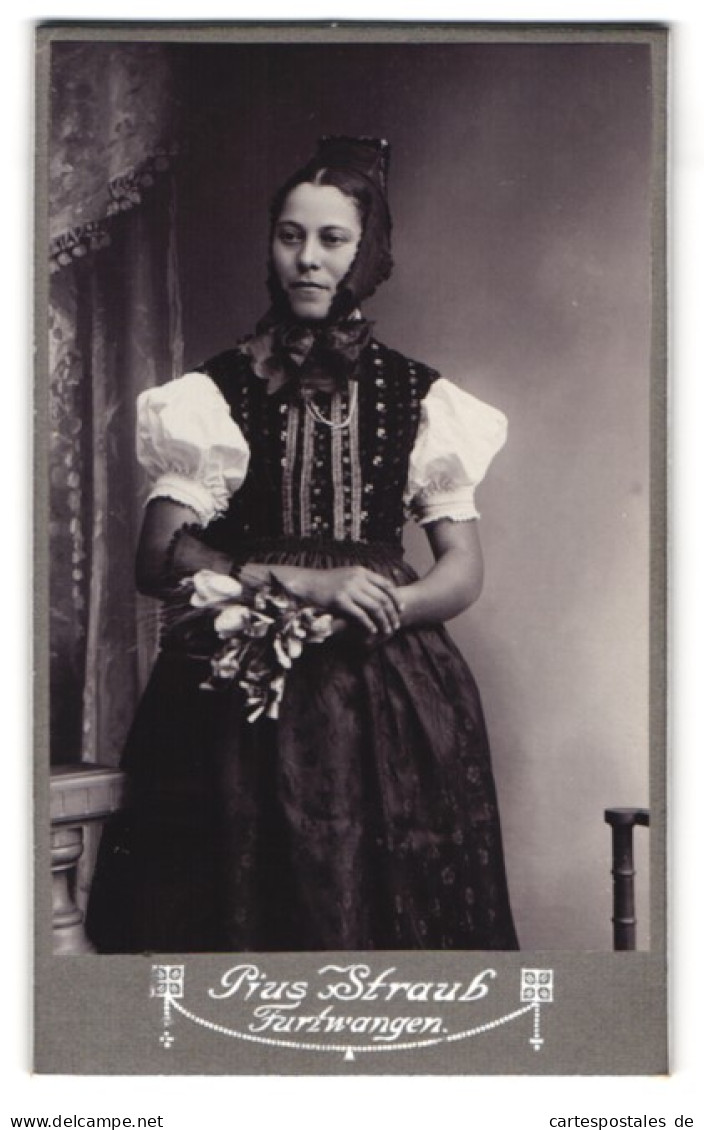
x,y
365,818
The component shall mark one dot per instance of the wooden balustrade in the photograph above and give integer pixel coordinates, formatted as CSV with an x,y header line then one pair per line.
x,y
80,795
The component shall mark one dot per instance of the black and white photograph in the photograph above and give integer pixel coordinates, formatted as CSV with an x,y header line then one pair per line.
x,y
351,524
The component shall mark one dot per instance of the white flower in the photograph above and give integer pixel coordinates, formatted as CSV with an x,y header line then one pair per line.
x,y
232,620
287,649
258,624
213,588
276,689
320,628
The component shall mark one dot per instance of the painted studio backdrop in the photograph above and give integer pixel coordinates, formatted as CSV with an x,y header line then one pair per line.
x,y
520,191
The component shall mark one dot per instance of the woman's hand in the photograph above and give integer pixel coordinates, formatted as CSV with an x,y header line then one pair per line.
x,y
366,598
358,595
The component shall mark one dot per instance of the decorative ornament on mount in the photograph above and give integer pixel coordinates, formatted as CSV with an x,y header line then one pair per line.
x,y
536,989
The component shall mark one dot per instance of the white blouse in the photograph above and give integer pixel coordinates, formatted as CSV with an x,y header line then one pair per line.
x,y
195,454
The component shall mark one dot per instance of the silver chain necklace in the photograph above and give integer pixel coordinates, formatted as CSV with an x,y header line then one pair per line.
x,y
313,410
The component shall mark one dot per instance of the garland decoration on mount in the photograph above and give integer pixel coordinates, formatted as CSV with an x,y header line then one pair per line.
x,y
537,988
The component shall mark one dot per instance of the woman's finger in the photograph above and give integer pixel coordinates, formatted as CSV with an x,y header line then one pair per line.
x,y
351,608
388,587
378,605
367,597
391,603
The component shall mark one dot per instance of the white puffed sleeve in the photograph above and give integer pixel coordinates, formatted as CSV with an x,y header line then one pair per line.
x,y
458,436
190,446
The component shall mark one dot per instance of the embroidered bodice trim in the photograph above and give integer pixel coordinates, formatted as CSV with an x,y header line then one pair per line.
x,y
306,479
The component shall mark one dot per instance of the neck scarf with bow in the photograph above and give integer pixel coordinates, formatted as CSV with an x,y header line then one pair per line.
x,y
321,357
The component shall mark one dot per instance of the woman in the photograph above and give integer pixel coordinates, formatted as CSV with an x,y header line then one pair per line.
x,y
365,816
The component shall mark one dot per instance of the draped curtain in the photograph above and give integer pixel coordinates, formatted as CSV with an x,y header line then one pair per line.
x,y
114,329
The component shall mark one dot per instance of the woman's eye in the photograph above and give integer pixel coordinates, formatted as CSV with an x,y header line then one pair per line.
x,y
291,237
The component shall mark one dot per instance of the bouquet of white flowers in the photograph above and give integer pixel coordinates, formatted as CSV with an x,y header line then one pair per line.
x,y
263,629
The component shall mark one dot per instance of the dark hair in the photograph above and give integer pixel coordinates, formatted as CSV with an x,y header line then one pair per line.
x,y
372,264
352,184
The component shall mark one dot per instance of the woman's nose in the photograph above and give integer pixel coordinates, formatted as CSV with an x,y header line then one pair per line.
x,y
309,255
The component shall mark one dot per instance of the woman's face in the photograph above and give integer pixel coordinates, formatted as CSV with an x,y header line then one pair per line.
x,y
314,244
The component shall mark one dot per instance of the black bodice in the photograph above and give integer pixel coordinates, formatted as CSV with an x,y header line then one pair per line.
x,y
306,480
